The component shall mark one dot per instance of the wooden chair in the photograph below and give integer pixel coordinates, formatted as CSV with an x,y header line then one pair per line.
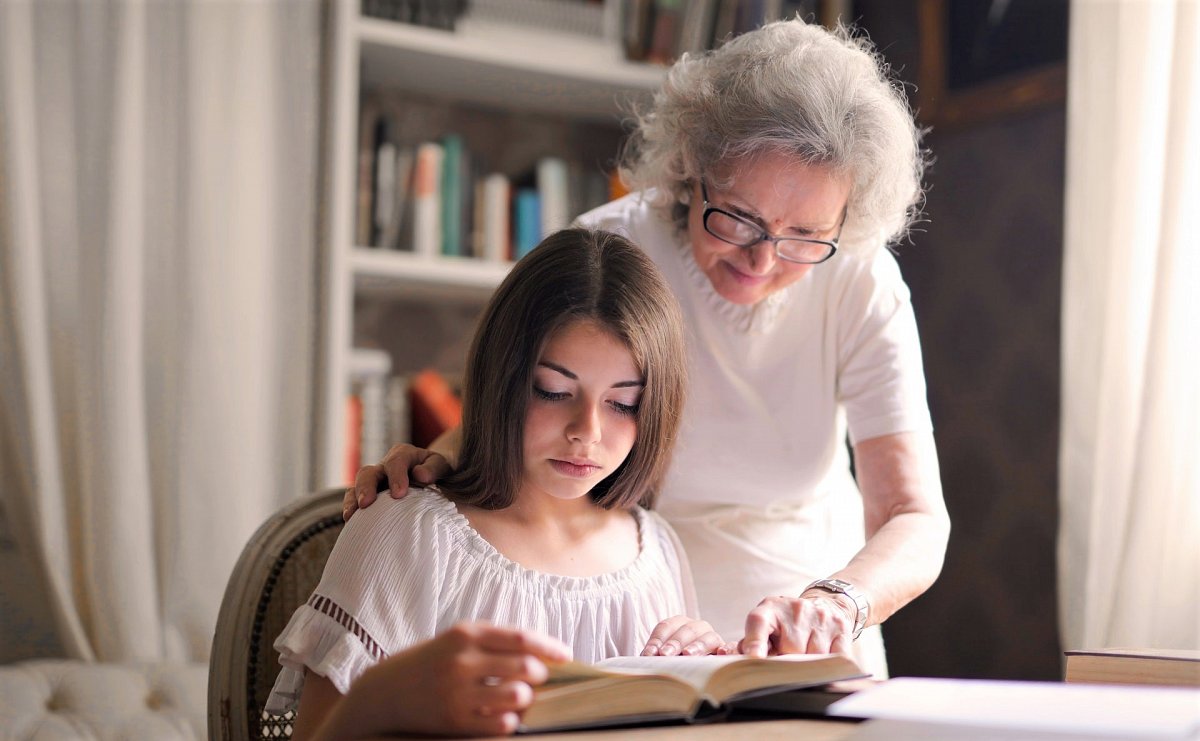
x,y
277,571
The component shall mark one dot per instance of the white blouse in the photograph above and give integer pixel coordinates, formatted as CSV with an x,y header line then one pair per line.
x,y
404,570
759,489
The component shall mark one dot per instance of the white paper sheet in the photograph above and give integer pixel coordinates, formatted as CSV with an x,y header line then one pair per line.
x,y
1105,711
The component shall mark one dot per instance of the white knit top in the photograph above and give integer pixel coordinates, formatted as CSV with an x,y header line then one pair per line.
x,y
404,570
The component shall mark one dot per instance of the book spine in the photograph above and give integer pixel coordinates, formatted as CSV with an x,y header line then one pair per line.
x,y
528,222
427,217
496,228
435,408
452,200
553,193
399,213
353,456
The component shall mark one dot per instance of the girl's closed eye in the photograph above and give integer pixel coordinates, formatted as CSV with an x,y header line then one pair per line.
x,y
548,395
623,407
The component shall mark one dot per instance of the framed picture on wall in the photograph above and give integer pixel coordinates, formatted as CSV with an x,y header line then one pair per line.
x,y
982,59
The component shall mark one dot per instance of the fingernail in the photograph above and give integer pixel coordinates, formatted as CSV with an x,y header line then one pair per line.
x,y
669,649
691,650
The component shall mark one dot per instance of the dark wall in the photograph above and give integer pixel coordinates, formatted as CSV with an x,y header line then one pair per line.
x,y
985,273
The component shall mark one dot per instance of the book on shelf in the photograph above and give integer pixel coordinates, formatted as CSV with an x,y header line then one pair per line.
x,y
434,406
441,14
696,28
367,425
395,232
639,689
1179,667
527,218
553,193
665,31
426,200
452,202
352,460
494,224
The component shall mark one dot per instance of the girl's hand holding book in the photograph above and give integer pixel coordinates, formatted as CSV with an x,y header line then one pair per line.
x,y
474,679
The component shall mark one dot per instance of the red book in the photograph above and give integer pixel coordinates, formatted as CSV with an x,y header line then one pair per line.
x,y
435,407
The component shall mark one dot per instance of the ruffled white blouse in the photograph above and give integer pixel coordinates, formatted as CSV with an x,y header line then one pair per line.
x,y
404,570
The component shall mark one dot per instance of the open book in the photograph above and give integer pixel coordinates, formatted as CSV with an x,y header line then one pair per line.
x,y
635,689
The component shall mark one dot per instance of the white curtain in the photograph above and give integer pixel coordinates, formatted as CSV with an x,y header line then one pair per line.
x,y
1129,546
157,244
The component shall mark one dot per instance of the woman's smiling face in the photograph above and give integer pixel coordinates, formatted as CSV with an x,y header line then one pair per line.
x,y
581,422
784,197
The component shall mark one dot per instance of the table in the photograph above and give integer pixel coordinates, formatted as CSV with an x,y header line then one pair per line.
x,y
764,730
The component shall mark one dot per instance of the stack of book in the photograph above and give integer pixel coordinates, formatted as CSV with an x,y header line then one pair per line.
x,y
1178,667
434,198
430,13
384,409
662,30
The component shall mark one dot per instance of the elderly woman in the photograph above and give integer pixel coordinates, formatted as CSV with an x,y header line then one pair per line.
x,y
770,176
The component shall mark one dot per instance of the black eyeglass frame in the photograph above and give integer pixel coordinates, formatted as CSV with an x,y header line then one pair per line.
x,y
764,235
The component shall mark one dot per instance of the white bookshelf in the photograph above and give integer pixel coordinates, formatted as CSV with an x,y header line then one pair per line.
x,y
489,64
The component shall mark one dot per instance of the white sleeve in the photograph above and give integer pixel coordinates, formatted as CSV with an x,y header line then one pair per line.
x,y
881,378
377,595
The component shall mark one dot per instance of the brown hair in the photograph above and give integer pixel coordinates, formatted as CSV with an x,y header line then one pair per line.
x,y
573,275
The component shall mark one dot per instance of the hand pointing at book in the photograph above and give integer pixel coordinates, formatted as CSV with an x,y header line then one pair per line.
x,y
817,623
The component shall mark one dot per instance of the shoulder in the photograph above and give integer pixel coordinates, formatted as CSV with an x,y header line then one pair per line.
x,y
422,511
867,283
637,216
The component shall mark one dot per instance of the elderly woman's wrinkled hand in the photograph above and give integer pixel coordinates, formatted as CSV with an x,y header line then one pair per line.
x,y
818,623
424,466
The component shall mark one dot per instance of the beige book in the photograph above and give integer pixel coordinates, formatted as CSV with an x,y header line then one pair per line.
x,y
1178,667
637,689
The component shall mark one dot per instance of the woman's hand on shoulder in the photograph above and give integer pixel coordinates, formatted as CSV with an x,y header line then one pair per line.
x,y
683,636
392,473
474,679
814,623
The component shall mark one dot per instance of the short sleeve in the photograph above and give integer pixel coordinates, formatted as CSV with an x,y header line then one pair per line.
x,y
881,378
379,593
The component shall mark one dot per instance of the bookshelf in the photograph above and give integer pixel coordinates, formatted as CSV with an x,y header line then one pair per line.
x,y
487,64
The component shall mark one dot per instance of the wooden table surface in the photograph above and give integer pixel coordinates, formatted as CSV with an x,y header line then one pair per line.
x,y
766,730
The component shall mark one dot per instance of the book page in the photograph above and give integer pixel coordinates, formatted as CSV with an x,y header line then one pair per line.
x,y
698,671
695,670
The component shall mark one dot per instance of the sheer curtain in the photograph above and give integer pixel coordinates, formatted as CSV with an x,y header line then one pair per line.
x,y
157,244
1129,546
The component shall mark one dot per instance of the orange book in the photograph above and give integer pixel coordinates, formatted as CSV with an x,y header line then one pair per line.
x,y
353,460
616,186
435,407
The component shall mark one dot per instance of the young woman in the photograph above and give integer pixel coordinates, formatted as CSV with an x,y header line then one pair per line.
x,y
573,394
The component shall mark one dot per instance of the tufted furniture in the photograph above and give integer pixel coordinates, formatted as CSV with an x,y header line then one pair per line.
x,y
55,699
277,571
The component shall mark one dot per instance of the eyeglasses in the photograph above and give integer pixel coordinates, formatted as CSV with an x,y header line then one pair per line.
x,y
737,230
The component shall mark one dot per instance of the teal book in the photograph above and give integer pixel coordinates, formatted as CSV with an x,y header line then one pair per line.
x,y
528,222
452,195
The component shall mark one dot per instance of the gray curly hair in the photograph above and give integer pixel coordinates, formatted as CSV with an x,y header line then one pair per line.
x,y
824,97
